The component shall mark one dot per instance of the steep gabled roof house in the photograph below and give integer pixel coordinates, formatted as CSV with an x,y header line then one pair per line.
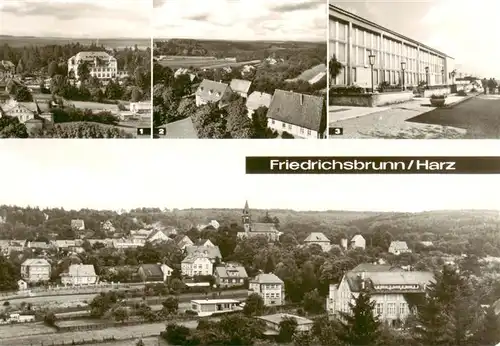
x,y
240,86
212,92
78,224
256,100
301,115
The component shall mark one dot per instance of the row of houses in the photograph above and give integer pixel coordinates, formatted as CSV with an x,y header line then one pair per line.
x,y
287,111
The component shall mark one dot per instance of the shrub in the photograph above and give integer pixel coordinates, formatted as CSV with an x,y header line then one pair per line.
x,y
286,135
474,90
438,97
346,90
6,303
462,93
191,313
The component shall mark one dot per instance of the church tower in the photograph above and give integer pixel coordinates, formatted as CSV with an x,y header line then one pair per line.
x,y
246,217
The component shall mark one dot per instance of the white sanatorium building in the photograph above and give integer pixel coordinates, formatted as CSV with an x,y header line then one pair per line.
x,y
101,64
393,290
353,39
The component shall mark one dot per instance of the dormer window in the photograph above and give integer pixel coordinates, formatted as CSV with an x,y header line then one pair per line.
x,y
202,88
210,92
217,94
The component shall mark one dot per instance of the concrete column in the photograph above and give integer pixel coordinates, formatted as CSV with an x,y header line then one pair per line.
x,y
350,55
382,59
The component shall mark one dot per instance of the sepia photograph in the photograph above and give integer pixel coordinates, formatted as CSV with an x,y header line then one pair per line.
x,y
413,70
240,69
290,260
75,69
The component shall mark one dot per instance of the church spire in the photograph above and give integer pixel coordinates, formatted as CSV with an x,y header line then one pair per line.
x,y
246,217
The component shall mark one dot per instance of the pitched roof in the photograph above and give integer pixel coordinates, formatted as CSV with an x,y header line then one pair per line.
x,y
201,242
369,267
226,271
269,278
211,251
211,91
240,85
357,237
76,270
36,262
179,129
316,236
297,109
263,227
396,244
77,223
152,270
258,99
384,278
92,55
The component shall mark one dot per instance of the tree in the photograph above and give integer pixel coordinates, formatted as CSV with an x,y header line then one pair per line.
x,y
303,339
20,67
23,94
313,302
489,332
238,124
360,327
254,305
136,95
8,275
140,343
171,305
287,329
50,319
83,71
120,314
52,68
335,67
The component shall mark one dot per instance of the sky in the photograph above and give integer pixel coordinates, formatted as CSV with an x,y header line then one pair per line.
x,y
279,20
125,174
76,18
464,29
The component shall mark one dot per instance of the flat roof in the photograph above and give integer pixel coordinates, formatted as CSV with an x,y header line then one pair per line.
x,y
215,301
277,318
380,27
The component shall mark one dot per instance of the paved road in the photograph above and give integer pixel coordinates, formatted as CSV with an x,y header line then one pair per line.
x,y
480,116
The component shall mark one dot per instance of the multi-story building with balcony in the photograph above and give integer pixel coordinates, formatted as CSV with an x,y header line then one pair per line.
x,y
353,39
270,287
394,291
35,270
100,65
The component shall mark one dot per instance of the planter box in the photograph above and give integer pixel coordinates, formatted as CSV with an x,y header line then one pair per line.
x,y
371,100
437,91
438,102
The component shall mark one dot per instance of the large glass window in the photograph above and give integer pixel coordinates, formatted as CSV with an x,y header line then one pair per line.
x,y
333,30
342,52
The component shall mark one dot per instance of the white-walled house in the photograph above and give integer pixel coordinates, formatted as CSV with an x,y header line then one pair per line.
x,y
358,242
270,287
320,239
100,64
301,115
398,247
196,264
212,92
35,270
240,87
390,289
256,100
79,275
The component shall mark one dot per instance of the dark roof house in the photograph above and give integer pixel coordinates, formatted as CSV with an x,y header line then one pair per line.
x,y
305,111
150,272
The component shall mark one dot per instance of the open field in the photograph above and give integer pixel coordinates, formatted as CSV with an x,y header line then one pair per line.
x,y
23,329
204,63
94,106
307,75
119,333
20,41
152,341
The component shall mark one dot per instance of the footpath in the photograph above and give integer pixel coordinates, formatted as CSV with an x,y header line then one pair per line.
x,y
392,121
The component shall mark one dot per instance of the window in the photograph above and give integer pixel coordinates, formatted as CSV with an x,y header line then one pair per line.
x,y
361,56
402,308
333,30
341,52
272,121
354,75
283,125
301,130
342,34
380,308
391,309
308,132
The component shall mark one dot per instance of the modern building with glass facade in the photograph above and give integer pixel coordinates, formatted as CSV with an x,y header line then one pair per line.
x,y
353,39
